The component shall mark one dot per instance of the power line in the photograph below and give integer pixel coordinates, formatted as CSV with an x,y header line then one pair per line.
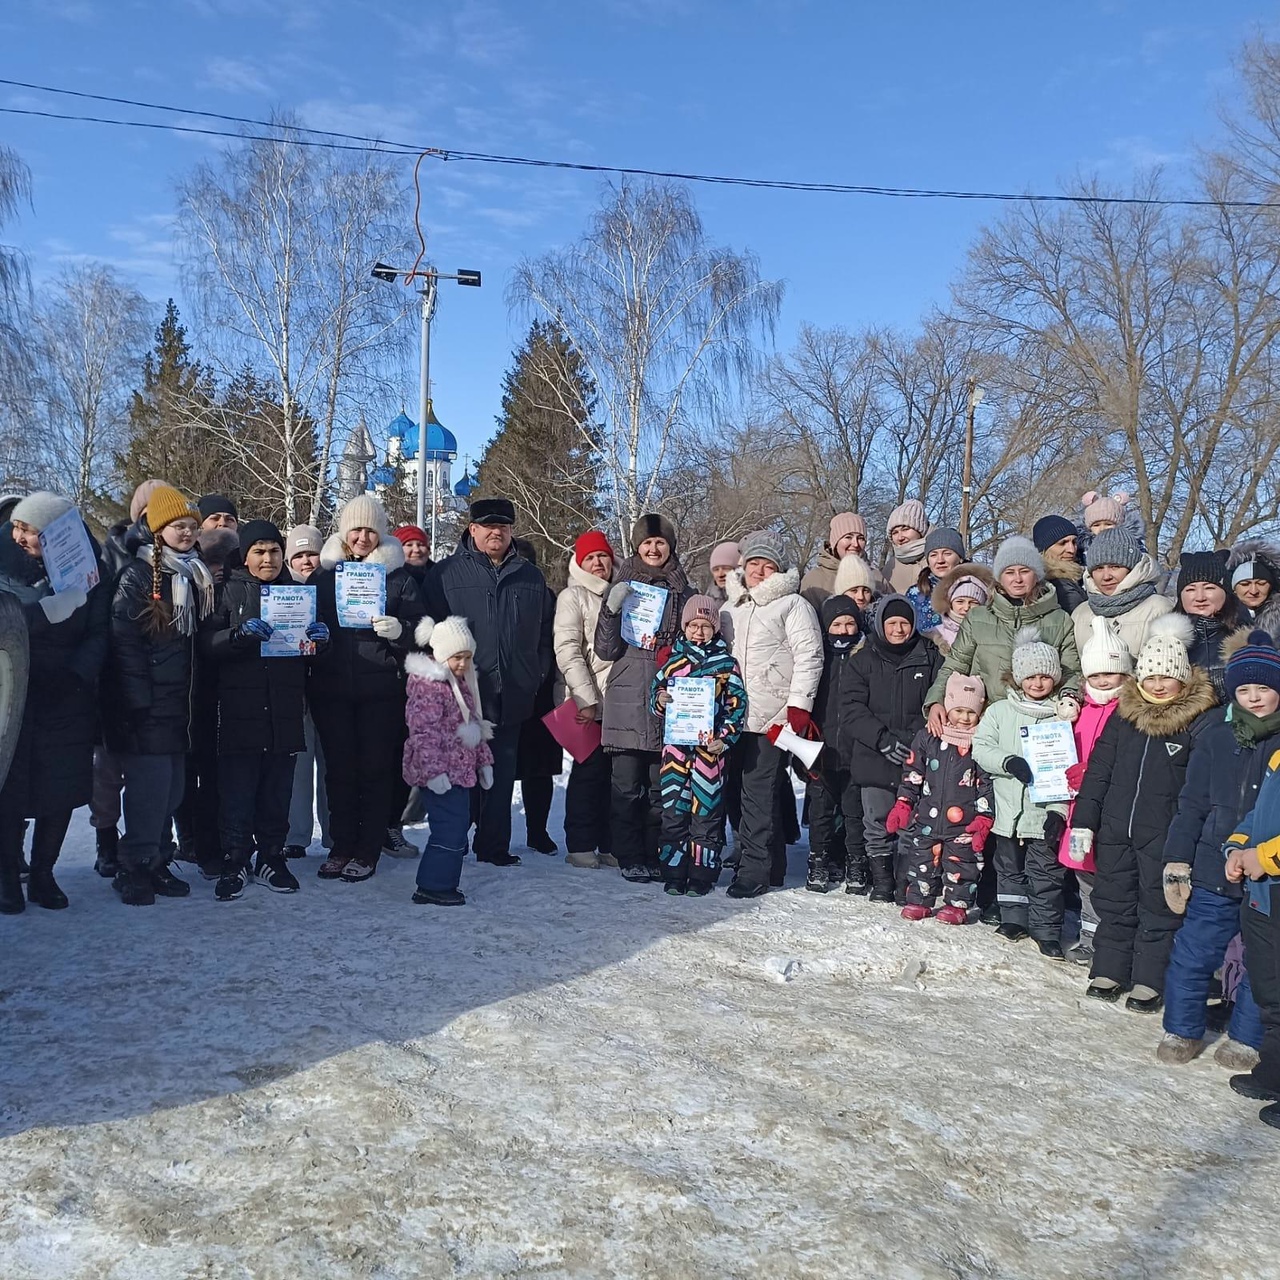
x,y
335,140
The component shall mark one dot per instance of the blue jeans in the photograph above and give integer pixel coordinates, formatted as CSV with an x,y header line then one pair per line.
x,y
450,817
1212,920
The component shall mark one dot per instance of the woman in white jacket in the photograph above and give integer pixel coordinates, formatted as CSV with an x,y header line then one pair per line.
x,y
1122,583
774,634
586,675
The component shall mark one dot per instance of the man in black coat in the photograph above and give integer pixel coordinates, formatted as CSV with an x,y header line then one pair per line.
x,y
510,611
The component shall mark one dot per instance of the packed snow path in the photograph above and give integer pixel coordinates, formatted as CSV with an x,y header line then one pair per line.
x,y
572,1076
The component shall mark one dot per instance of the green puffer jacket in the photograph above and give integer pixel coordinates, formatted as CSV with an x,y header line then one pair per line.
x,y
996,739
983,646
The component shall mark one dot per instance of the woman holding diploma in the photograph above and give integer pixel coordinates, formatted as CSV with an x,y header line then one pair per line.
x,y
356,687
261,703
52,770
638,623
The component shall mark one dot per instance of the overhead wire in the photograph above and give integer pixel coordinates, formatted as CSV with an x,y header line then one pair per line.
x,y
339,141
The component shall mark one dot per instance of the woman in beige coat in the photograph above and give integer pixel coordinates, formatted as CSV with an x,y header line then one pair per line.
x,y
1122,583
586,675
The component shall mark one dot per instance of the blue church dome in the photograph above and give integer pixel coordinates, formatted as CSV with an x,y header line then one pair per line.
x,y
465,487
442,444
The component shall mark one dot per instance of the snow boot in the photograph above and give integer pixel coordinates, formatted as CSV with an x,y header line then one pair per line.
x,y
1107,989
676,888
1081,952
396,846
499,859
818,880
134,887
42,888
857,876
587,861
1177,1051
108,860
1012,932
541,842
745,889
1249,1086
439,898
881,879
608,860
1236,1056
990,916
295,851
166,884
1144,1000
916,911
1051,949
1271,1115
698,889
953,914
636,875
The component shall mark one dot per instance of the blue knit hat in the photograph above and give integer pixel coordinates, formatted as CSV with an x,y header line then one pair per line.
x,y
1255,662
1050,529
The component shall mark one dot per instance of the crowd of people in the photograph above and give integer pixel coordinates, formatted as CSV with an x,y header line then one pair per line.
x,y
905,694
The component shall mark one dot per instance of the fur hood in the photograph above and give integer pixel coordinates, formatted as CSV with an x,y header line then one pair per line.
x,y
425,667
388,552
786,582
941,593
1175,717
579,577
1254,549
1064,570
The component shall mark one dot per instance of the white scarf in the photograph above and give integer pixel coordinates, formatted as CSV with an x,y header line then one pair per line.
x,y
188,571
910,552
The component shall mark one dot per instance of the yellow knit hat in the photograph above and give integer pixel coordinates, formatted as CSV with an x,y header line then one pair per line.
x,y
165,505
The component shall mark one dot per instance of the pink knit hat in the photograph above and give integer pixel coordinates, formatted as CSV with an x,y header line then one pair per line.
x,y
725,555
141,496
910,515
964,691
700,607
845,523
1096,508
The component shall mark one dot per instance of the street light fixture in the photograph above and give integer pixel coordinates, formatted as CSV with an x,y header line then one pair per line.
x,y
430,277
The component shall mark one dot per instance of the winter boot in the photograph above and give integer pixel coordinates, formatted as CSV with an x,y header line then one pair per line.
x,y
1011,932
42,888
857,876
394,845
1051,949
541,842
1236,1056
1270,1116
439,898
166,884
1249,1086
108,860
1144,1000
134,887
608,860
953,914
11,900
1177,1051
745,889
1107,989
295,851
587,861
818,881
1081,951
881,879
916,911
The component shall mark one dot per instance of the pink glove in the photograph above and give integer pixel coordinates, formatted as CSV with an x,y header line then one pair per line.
x,y
980,829
898,817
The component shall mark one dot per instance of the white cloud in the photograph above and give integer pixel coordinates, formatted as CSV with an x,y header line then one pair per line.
x,y
235,75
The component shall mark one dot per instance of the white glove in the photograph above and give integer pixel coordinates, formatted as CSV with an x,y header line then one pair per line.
x,y
387,627
1079,843
58,608
618,594
439,784
485,776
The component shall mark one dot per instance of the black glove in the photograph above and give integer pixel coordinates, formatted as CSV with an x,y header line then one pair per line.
x,y
1017,767
896,752
1055,826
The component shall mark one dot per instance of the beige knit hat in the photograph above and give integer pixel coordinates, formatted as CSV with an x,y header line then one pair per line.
x,y
1165,651
852,571
364,511
909,515
141,496
1105,652
846,522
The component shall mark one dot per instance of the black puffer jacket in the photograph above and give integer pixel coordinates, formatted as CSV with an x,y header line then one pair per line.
x,y
510,612
1138,767
1205,651
884,699
146,697
359,664
52,767
260,701
837,663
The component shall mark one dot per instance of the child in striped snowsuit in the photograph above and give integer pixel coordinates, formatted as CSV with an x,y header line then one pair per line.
x,y
692,775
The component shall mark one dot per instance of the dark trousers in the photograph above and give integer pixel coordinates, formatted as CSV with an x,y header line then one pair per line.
x,y
835,822
1135,926
948,867
635,808
881,847
762,853
152,792
253,807
399,800
1199,948
440,867
1029,886
536,794
197,817
493,821
363,742
104,808
1262,959
586,804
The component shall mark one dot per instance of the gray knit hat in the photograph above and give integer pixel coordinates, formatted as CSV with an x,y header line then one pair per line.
x,y
41,509
1018,551
945,539
1113,546
763,545
1032,656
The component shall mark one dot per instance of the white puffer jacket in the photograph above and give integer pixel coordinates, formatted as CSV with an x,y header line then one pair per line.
x,y
586,676
1134,625
774,634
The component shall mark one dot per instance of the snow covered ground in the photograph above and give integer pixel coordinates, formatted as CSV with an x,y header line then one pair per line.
x,y
572,1076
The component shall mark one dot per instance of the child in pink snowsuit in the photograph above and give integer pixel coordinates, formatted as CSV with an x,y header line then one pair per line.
x,y
447,752
1104,661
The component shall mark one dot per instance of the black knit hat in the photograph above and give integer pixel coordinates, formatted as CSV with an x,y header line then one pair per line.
x,y
653,526
894,606
834,607
1050,529
258,531
1203,566
213,504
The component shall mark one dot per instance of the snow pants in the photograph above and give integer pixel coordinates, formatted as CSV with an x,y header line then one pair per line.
x,y
691,845
152,791
1029,886
253,804
762,846
309,799
635,810
586,804
440,867
835,823
1135,926
881,847
1262,960
1199,947
950,867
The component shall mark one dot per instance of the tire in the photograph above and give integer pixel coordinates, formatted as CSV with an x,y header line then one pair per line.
x,y
13,678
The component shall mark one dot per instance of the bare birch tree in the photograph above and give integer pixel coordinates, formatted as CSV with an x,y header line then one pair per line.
x,y
667,325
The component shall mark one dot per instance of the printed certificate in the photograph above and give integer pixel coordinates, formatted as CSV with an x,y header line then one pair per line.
x,y
290,611
361,592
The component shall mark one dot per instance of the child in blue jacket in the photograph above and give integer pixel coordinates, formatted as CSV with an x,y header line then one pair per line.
x,y
1223,775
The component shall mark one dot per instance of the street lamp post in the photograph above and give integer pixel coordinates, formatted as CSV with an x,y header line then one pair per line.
x,y
966,490
430,278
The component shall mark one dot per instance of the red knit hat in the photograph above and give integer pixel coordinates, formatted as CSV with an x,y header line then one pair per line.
x,y
408,533
591,541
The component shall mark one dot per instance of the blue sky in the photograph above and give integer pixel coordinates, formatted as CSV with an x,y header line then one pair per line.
x,y
1004,96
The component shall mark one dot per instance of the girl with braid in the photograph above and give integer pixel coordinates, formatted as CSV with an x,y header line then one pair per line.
x,y
160,598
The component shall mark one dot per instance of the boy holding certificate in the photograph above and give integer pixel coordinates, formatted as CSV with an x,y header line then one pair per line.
x,y
699,695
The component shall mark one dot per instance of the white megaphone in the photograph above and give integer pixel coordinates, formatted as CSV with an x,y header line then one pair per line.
x,y
804,749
